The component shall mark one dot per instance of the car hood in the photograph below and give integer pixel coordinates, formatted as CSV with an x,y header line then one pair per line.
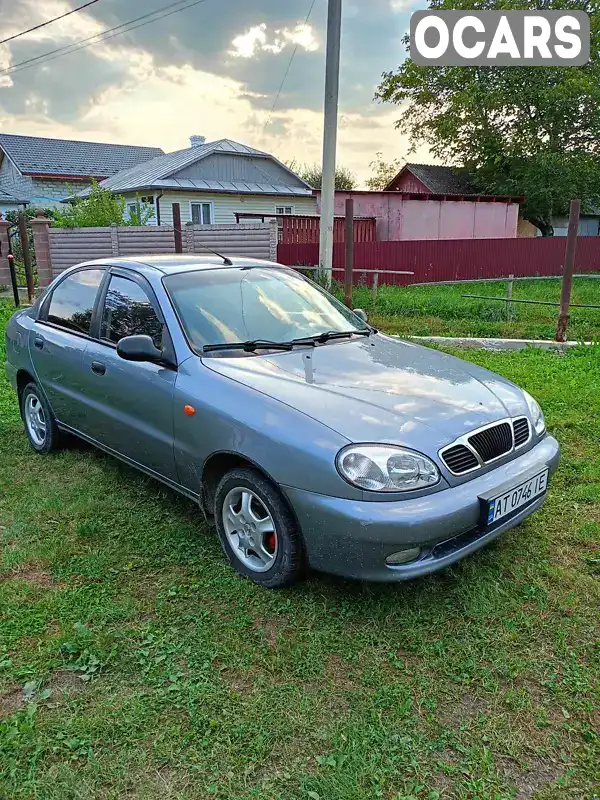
x,y
381,389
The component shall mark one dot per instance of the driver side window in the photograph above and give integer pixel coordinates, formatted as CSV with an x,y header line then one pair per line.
x,y
128,312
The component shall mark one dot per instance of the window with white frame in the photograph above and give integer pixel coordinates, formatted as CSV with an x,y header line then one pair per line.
x,y
202,213
282,211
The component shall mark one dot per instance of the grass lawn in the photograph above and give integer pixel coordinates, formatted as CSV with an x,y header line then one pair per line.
x,y
134,663
442,311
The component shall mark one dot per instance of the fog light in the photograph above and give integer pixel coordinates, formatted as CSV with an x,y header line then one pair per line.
x,y
403,557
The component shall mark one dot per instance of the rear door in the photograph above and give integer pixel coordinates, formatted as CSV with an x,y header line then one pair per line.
x,y
130,404
58,341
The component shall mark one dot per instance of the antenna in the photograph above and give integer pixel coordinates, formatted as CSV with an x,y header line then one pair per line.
x,y
227,262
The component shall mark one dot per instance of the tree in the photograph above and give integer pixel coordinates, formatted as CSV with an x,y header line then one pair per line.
x,y
345,179
383,172
528,131
99,210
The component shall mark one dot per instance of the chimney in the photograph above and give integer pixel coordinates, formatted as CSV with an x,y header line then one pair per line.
x,y
197,141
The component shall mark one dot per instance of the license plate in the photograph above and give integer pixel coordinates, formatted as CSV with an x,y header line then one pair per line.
x,y
519,496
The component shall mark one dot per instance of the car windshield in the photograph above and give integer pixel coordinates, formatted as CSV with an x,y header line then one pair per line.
x,y
232,305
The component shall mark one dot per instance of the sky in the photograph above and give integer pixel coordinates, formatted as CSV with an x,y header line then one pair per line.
x,y
214,70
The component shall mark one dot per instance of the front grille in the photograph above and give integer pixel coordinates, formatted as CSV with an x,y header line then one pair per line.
x,y
493,442
521,429
459,459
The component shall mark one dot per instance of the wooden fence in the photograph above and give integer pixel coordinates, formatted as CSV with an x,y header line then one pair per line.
x,y
58,249
453,259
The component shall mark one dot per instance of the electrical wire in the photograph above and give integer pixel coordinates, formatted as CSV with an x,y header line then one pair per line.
x,y
85,43
49,22
287,72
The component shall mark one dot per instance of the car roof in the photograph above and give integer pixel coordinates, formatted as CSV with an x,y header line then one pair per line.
x,y
171,264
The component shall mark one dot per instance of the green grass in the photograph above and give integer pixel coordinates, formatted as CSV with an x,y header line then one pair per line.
x,y
151,671
442,311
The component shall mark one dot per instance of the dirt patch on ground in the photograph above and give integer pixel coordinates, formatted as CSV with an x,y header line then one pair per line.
x,y
65,683
269,630
31,574
461,712
11,701
540,774
337,672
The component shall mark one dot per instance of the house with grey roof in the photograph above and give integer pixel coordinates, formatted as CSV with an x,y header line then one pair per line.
x,y
213,183
43,172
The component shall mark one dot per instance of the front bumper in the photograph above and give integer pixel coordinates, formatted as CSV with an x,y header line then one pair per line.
x,y
353,538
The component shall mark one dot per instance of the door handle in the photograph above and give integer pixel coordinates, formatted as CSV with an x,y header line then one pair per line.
x,y
38,342
98,368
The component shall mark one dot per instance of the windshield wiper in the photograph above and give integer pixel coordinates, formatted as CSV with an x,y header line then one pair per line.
x,y
321,338
248,347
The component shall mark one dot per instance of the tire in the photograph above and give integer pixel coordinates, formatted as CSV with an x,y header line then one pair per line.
x,y
259,535
40,423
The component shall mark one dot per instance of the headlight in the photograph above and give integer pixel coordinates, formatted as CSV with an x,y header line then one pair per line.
x,y
386,468
537,415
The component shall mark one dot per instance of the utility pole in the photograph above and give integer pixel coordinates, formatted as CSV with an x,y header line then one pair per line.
x,y
332,84
565,297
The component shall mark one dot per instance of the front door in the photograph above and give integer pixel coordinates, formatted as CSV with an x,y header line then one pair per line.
x,y
130,404
58,341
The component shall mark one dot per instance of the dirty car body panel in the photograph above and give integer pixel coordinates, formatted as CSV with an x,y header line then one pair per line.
x,y
290,414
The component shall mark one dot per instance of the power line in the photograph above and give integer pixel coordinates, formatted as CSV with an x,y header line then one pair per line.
x,y
287,71
85,43
49,22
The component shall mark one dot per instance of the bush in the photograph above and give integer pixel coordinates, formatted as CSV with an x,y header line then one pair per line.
x,y
100,209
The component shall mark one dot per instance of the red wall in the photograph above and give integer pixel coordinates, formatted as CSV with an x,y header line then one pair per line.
x,y
454,260
410,183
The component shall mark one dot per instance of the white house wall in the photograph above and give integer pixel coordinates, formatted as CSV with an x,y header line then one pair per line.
x,y
225,206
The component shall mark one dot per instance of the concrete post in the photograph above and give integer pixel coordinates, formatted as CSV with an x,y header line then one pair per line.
x,y
41,244
189,243
4,268
273,240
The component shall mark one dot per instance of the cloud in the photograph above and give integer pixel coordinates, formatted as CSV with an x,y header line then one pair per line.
x,y
255,40
214,70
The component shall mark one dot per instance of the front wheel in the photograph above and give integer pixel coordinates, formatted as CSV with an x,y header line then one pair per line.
x,y
40,424
257,529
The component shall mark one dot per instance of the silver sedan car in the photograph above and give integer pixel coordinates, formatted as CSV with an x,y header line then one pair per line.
x,y
309,438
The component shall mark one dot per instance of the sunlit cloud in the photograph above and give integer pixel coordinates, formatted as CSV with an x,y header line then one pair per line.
x,y
257,40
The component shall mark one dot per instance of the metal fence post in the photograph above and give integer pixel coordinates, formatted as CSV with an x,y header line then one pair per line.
x,y
349,252
509,294
565,297
375,287
178,233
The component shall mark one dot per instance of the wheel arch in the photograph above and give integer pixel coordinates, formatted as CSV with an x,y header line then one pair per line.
x,y
217,465
24,377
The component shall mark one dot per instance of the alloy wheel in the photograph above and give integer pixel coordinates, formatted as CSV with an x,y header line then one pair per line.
x,y
35,420
250,529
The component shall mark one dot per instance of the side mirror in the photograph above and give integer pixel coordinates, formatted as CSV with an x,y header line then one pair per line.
x,y
361,314
138,348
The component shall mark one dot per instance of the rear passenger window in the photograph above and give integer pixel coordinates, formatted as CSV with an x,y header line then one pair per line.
x,y
72,301
128,312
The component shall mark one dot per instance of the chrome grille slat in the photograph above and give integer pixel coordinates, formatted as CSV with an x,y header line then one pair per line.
x,y
493,442
460,459
522,431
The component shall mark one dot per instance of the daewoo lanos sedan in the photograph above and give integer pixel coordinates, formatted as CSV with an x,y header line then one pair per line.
x,y
307,436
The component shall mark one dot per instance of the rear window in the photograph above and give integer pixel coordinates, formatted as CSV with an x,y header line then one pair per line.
x,y
73,300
